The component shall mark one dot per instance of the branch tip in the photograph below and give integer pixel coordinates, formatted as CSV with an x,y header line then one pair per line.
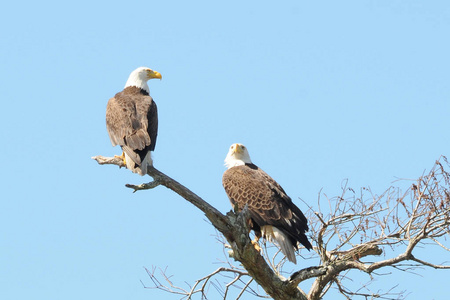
x,y
143,186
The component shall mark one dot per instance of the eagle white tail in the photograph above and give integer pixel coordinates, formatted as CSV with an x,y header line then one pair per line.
x,y
142,169
276,236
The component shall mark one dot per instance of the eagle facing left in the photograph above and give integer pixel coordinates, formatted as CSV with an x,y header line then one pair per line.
x,y
132,120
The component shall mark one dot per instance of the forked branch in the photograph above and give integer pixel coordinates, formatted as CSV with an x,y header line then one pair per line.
x,y
351,233
234,227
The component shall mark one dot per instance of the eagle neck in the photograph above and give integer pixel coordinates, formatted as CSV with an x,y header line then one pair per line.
x,y
136,90
137,82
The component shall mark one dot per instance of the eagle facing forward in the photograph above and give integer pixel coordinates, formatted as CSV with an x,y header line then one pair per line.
x,y
273,214
132,120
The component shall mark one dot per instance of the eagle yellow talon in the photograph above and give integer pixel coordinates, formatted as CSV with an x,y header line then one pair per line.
x,y
122,157
256,245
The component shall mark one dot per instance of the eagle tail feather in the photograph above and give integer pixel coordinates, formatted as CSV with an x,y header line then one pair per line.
x,y
276,236
141,168
146,162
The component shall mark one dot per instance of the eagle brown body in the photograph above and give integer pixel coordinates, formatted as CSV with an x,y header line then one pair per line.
x,y
132,123
271,210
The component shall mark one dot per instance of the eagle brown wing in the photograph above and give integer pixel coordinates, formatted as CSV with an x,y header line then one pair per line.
x,y
267,202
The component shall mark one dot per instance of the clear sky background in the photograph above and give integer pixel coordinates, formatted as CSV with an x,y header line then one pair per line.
x,y
319,91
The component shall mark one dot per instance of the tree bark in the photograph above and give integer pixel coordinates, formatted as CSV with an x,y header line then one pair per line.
x,y
232,226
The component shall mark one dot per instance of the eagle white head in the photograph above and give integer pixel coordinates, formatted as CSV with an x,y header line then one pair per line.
x,y
140,76
237,156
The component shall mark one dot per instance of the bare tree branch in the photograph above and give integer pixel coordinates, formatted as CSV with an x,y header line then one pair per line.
x,y
350,233
379,224
234,227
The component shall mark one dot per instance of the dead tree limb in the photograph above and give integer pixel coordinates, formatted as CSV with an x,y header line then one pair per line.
x,y
233,227
350,233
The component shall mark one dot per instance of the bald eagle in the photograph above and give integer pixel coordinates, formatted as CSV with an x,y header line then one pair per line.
x,y
132,120
273,215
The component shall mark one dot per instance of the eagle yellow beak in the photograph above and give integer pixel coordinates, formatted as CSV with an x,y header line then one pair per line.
x,y
153,74
238,148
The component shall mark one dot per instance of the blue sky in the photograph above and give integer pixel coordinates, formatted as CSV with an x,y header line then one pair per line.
x,y
318,92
